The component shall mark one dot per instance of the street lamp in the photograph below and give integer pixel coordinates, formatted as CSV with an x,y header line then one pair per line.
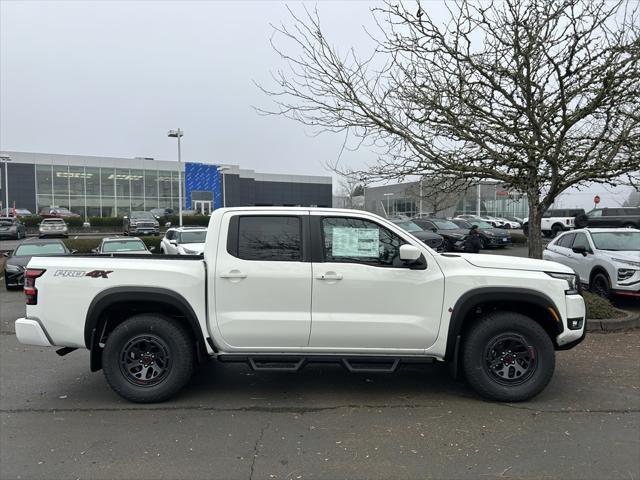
x,y
222,169
6,160
389,194
178,134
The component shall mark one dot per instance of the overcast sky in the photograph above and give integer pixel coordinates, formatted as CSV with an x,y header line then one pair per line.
x,y
110,78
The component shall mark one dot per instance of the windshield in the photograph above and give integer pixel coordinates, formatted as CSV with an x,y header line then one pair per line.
x,y
615,241
481,224
409,227
28,250
142,215
462,224
445,225
124,246
193,237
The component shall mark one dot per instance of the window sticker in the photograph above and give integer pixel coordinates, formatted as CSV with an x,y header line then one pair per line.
x,y
355,242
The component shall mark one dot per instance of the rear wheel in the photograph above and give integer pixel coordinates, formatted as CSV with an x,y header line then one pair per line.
x,y
508,357
483,243
600,285
629,225
148,358
555,230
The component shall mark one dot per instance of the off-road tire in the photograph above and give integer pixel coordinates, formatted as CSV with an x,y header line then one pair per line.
x,y
477,343
176,349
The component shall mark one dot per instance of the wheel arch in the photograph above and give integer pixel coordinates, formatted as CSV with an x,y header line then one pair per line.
x,y
113,306
598,269
472,305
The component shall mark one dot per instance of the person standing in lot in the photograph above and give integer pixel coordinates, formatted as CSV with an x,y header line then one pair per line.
x,y
473,244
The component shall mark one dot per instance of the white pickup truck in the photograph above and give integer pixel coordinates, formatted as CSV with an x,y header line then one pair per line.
x,y
278,288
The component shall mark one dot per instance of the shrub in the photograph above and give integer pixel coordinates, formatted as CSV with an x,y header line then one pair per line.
x,y
599,307
74,222
188,220
105,221
31,221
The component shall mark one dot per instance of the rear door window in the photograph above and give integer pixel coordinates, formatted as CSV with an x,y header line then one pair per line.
x,y
566,240
269,238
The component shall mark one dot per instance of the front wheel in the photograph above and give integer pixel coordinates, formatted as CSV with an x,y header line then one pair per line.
x,y
508,357
600,285
148,358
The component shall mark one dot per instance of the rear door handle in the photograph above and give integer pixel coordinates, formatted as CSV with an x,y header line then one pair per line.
x,y
233,274
329,276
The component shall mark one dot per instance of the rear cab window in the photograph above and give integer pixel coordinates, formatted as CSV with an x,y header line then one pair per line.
x,y
276,238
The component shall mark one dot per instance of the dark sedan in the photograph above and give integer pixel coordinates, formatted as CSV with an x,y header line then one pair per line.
x,y
16,263
489,236
452,233
11,227
431,239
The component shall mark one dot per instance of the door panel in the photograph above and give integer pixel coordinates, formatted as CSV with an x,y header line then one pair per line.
x,y
365,298
262,291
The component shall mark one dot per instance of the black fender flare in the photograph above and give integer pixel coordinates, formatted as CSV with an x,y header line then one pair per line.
x,y
95,323
470,299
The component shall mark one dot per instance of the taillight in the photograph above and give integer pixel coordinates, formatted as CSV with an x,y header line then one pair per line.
x,y
30,289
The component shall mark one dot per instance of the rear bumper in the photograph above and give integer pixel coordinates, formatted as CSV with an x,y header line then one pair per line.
x,y
29,331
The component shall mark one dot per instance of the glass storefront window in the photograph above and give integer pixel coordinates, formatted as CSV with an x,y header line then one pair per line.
x,y
77,204
137,203
92,179
43,179
107,176
44,201
93,205
76,180
123,179
164,183
108,207
151,189
137,183
60,182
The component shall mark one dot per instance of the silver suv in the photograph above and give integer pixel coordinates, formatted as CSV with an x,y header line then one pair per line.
x,y
53,227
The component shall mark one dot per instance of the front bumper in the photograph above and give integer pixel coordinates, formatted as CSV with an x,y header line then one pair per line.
x,y
575,311
498,241
144,231
29,331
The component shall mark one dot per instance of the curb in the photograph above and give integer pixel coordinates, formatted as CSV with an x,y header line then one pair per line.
x,y
631,320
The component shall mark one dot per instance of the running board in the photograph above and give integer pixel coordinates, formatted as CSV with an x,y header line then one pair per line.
x,y
293,363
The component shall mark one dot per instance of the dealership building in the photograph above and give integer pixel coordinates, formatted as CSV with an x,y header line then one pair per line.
x,y
108,186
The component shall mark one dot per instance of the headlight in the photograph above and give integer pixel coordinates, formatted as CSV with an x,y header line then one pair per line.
x,y
13,268
625,273
626,262
572,281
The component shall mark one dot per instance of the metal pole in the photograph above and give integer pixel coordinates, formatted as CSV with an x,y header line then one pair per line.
x,y
224,191
420,196
6,187
179,179
478,199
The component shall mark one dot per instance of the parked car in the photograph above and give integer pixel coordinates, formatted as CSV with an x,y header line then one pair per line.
x,y
184,241
158,213
628,217
555,221
489,236
607,260
496,222
453,235
17,260
515,219
58,212
279,288
140,223
11,227
19,212
53,227
432,239
120,245
508,224
467,217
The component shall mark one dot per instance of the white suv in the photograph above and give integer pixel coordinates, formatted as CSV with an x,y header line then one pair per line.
x,y
184,241
605,259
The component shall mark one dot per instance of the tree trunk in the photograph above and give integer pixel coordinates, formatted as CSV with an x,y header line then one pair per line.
x,y
535,231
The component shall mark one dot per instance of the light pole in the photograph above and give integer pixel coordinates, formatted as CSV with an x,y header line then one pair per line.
x,y
420,213
178,134
222,169
389,194
6,160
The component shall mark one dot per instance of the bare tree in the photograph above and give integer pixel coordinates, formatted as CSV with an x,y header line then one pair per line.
x,y
348,188
633,200
540,95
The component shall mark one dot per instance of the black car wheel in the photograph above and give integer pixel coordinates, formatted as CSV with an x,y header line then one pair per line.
x,y
148,358
508,357
629,225
483,243
555,230
600,285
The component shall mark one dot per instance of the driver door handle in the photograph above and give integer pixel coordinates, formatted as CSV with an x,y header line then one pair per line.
x,y
233,274
329,276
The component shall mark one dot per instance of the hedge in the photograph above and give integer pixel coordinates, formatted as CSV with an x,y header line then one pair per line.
x,y
85,245
188,220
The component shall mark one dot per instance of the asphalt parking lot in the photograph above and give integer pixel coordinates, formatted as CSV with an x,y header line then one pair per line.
x,y
58,420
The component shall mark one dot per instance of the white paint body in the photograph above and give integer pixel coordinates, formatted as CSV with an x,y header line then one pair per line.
x,y
301,307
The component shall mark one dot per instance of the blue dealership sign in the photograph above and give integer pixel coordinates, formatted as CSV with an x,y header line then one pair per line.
x,y
202,177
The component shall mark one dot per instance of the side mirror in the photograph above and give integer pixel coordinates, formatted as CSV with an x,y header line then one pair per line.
x,y
152,249
581,250
5,254
74,251
173,242
434,229
409,253
94,250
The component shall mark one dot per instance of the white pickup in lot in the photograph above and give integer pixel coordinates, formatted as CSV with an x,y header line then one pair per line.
x,y
282,287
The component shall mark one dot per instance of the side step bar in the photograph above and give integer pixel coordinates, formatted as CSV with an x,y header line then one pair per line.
x,y
294,363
